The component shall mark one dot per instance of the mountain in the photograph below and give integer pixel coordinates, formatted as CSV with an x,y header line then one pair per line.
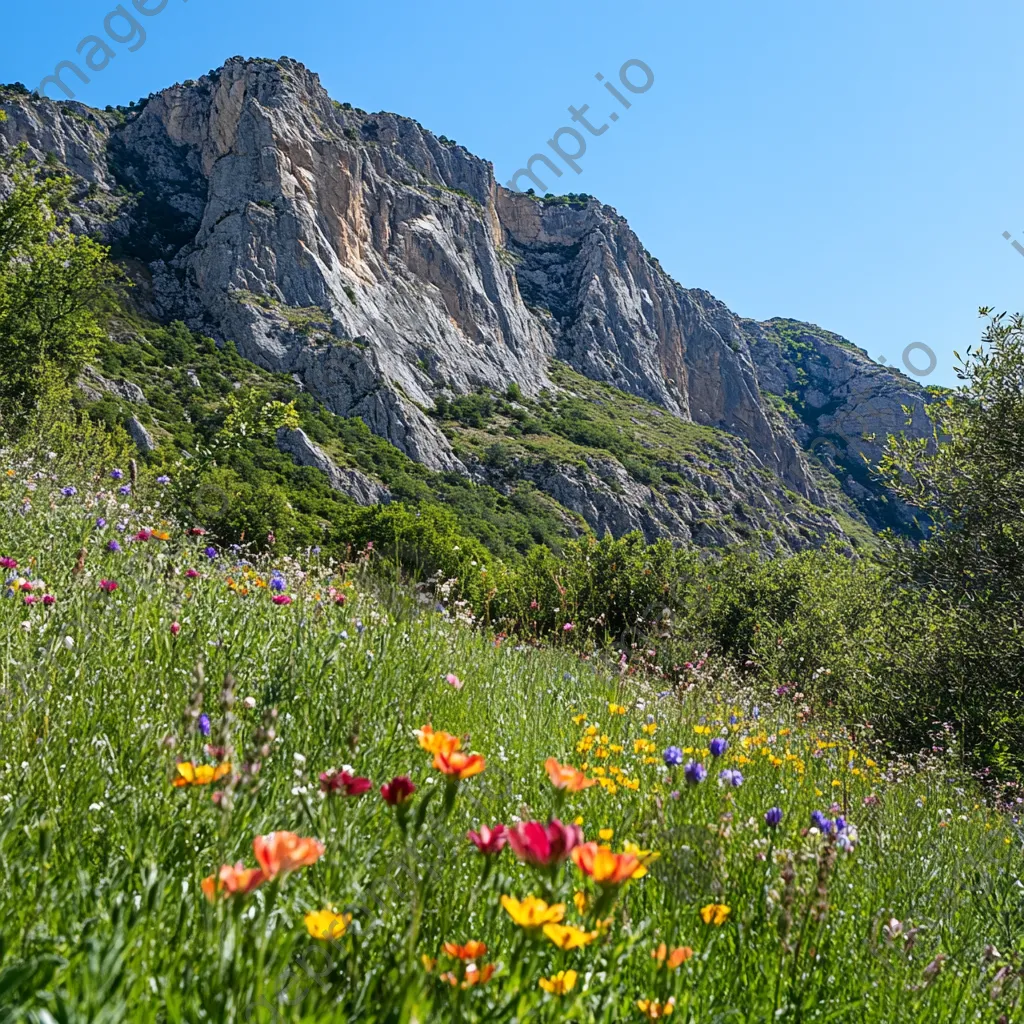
x,y
388,273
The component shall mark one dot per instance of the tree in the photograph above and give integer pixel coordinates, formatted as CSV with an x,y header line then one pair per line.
x,y
51,281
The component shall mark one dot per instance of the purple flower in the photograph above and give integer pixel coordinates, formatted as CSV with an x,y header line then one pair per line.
x,y
163,481
673,757
204,724
210,553
116,474
695,772
100,523
733,719
277,583
731,777
125,489
840,824
69,491
113,546
755,713
773,816
718,746
819,820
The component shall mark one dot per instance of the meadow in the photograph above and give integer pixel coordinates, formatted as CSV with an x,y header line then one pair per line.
x,y
241,787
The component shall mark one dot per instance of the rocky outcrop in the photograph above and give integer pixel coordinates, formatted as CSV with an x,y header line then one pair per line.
x,y
358,486
94,385
384,267
140,435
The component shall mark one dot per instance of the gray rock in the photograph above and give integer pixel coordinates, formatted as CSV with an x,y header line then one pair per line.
x,y
94,384
141,436
356,485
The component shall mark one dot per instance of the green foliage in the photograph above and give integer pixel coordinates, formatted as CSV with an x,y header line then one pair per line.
x,y
50,284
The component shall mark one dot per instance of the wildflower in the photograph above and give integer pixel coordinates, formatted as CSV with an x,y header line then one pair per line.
x,y
325,924
163,481
143,535
820,821
606,868
676,958
113,547
249,702
695,773
161,535
605,834
8,563
472,950
718,746
653,1010
125,490
473,976
192,574
190,774
49,599
281,599
458,766
644,856
453,681
673,756
69,492
116,474
285,851
277,583
566,937
233,881
175,628
715,914
773,816
564,776
353,785
532,913
489,840
730,777
544,845
436,742
210,553
568,627
204,724
560,983
398,791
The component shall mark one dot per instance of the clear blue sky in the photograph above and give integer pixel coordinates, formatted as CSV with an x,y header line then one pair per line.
x,y
853,165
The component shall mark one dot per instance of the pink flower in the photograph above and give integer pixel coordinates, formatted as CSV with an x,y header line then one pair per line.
x,y
30,599
544,845
453,680
143,535
192,574
8,563
340,599
489,840
281,599
175,628
49,599
108,585
568,627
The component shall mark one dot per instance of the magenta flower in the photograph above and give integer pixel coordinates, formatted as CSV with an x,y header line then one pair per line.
x,y
108,585
281,599
489,840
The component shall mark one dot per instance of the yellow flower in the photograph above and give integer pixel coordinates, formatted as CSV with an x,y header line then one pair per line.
x,y
616,748
644,856
715,914
324,924
606,833
579,719
580,899
560,983
616,709
651,729
653,1010
702,730
565,936
532,912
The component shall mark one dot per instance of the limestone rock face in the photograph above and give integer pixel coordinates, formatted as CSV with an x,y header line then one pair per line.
x,y
356,485
384,267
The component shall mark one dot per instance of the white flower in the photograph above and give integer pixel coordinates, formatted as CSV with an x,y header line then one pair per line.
x,y
299,758
249,702
69,642
95,807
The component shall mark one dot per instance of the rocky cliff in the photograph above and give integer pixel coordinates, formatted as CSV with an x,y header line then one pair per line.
x,y
386,269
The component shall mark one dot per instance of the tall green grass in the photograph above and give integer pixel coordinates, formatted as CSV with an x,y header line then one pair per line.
x,y
101,913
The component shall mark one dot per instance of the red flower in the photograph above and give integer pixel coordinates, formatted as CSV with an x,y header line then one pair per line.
x,y
489,840
192,574
49,599
544,845
353,785
398,790
143,535
197,531
340,599
108,585
175,628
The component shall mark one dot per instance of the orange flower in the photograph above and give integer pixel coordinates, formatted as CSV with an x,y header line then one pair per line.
x,y
160,535
715,914
676,958
474,976
237,880
472,950
564,776
285,851
458,765
437,742
190,774
607,868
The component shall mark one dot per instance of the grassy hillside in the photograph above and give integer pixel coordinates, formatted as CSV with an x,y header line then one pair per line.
x,y
885,892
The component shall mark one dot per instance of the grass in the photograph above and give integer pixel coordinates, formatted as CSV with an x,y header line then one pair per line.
x,y
913,914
